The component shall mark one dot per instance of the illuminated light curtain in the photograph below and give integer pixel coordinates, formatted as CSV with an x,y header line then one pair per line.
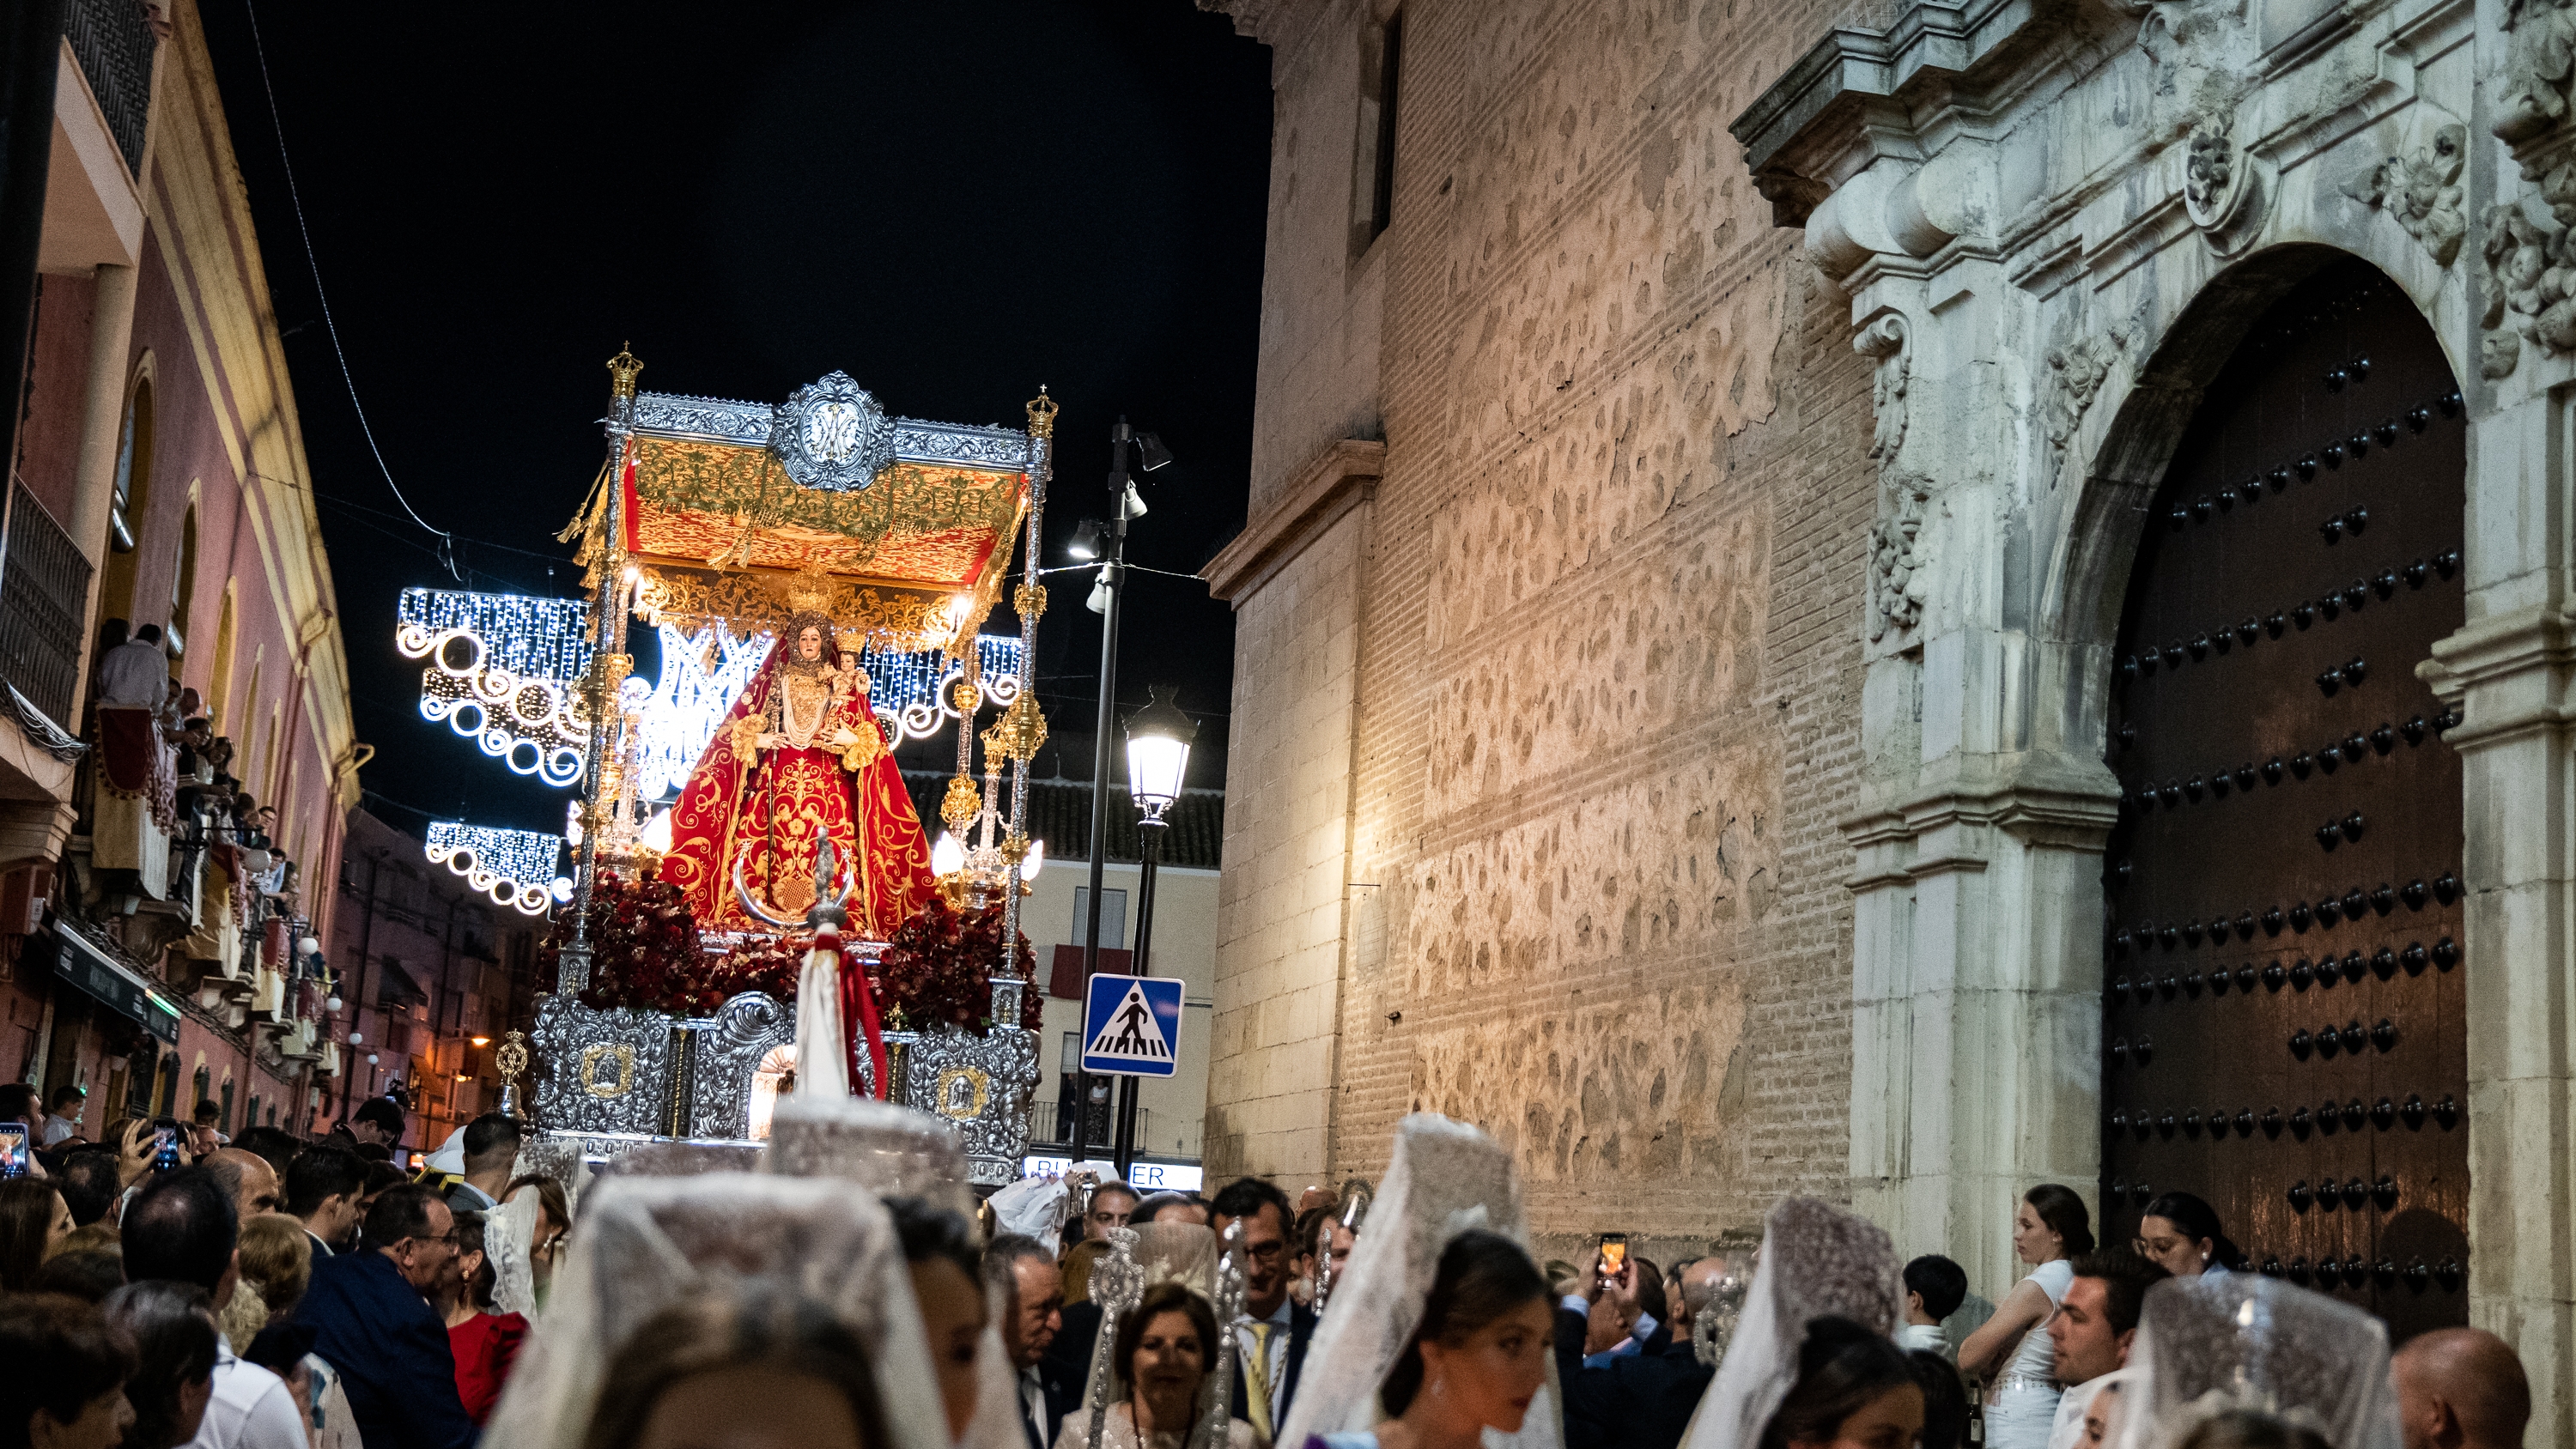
x,y
516,868
502,672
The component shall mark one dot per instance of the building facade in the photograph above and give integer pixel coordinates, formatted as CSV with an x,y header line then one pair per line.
x,y
432,975
160,933
1898,603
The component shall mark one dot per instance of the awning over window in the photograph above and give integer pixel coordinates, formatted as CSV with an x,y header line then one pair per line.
x,y
115,984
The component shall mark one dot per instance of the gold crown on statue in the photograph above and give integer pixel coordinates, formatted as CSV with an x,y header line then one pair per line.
x,y
809,591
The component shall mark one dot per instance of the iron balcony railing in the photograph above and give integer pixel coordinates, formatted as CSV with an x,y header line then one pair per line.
x,y
113,41
44,582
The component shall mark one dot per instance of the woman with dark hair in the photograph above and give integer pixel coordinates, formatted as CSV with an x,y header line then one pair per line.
x,y
1162,1357
2050,1227
947,1271
1945,1400
34,1220
483,1343
2180,1234
67,1373
754,1365
1855,1390
1478,1357
172,1328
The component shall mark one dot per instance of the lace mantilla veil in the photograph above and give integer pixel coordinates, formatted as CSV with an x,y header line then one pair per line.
x,y
899,1152
1446,1178
649,1242
509,1240
1817,1261
2223,1341
1140,1258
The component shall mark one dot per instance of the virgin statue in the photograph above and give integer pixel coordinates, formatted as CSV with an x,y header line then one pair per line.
x,y
798,760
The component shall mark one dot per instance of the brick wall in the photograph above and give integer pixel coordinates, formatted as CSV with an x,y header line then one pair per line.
x,y
1607,610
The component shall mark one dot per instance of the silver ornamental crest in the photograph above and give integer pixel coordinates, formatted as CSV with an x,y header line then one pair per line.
x,y
831,434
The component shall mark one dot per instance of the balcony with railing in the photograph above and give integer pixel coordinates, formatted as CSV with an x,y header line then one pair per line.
x,y
113,40
44,583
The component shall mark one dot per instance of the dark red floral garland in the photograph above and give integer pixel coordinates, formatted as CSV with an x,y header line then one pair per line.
x,y
939,969
645,952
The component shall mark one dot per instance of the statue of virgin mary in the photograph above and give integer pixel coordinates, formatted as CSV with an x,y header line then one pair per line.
x,y
798,760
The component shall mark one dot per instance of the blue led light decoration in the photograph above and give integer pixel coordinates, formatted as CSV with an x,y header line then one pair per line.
x,y
502,672
515,868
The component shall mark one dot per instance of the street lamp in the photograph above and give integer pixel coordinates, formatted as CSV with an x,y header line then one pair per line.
x,y
1158,760
1148,454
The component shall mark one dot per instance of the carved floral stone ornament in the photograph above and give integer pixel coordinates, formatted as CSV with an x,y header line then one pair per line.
x,y
1884,340
2075,373
2224,190
2420,189
831,434
1896,563
2528,292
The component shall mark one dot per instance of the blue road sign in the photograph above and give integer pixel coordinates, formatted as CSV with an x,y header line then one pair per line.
x,y
1131,1026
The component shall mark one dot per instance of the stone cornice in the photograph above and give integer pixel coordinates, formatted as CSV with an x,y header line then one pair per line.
x,y
1334,481
2037,799
2510,675
1824,101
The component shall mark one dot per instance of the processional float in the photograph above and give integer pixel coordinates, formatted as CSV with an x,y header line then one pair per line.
x,y
724,524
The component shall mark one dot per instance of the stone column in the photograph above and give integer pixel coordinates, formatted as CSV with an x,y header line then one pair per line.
x,y
2511,672
111,339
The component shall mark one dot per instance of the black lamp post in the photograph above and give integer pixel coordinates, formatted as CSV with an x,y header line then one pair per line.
x,y
1088,543
1158,759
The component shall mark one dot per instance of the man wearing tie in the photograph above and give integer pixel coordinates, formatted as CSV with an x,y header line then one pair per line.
x,y
1026,1273
1270,1338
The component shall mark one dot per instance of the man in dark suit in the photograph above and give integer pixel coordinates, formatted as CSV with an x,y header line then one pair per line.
x,y
372,1322
1032,1286
1270,1338
1643,1399
323,1185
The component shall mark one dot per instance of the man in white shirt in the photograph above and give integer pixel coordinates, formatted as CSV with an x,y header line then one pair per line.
x,y
182,1228
2092,1330
134,672
64,1123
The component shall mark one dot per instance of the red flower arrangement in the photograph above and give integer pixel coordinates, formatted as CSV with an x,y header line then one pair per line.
x,y
938,969
644,948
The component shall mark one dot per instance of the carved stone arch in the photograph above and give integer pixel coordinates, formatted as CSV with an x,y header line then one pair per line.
x,y
2087,579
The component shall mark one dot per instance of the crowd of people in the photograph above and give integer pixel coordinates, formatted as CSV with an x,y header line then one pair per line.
x,y
166,1290
172,1286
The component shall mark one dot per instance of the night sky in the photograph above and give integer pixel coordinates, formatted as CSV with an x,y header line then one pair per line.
x,y
953,203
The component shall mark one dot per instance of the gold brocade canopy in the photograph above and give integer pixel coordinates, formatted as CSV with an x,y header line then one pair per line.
x,y
716,529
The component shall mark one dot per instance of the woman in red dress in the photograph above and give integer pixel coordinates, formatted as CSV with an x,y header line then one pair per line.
x,y
484,1343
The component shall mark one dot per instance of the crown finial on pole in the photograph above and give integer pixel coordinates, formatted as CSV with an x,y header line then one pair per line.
x,y
1042,412
621,373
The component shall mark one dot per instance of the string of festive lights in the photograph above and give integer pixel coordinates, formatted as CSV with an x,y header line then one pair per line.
x,y
514,867
502,669
704,673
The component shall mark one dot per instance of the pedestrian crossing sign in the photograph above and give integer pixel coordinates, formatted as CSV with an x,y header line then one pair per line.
x,y
1131,1025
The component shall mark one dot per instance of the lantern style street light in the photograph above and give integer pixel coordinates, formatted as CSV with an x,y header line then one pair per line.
x,y
1158,761
1145,452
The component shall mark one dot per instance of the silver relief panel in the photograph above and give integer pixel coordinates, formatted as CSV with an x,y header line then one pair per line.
x,y
600,1071
731,1046
718,420
832,434
983,1085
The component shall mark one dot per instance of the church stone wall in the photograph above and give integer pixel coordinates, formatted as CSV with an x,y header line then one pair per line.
x,y
1603,708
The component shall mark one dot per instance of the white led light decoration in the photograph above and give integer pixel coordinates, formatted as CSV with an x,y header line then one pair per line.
x,y
515,868
705,672
914,690
682,711
502,670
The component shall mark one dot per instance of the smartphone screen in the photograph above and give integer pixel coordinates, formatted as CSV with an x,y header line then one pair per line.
x,y
13,1149
1614,1253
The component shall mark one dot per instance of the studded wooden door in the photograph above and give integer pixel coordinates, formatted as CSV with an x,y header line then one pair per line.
x,y
2282,1019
